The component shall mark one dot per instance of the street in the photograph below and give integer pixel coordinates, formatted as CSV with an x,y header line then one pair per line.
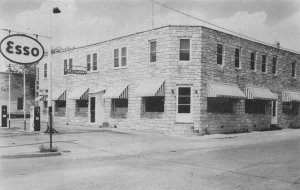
x,y
126,159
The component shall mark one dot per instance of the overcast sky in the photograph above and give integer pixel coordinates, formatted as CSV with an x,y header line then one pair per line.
x,y
84,22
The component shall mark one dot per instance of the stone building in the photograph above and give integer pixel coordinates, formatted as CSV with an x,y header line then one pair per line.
x,y
176,79
17,94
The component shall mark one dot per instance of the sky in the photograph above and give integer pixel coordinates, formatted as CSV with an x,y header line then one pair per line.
x,y
83,22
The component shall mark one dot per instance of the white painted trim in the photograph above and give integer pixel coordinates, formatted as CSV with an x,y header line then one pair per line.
x,y
190,120
120,58
191,41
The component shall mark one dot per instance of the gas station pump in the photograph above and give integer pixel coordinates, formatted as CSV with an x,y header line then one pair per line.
x,y
3,116
35,122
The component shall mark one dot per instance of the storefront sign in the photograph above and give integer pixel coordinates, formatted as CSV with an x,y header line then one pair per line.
x,y
21,49
76,72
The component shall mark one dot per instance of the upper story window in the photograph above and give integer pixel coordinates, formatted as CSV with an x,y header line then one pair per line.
x,y
45,70
237,55
184,50
120,54
68,64
252,61
88,62
294,69
90,67
274,66
220,54
153,51
94,61
264,63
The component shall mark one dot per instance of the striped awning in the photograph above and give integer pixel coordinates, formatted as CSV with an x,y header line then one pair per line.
x,y
224,90
289,96
260,93
120,91
78,93
59,94
151,88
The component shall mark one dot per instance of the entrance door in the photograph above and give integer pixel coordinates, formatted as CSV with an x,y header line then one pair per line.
x,y
184,104
274,112
93,109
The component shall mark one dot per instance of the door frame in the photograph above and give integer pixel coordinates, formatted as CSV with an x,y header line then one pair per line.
x,y
180,117
274,119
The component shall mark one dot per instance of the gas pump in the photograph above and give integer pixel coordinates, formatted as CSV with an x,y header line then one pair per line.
x,y
3,116
35,122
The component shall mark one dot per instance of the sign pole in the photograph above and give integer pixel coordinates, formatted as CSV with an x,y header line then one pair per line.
x,y
9,95
24,100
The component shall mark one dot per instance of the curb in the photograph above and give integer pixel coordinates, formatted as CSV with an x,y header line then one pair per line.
x,y
31,155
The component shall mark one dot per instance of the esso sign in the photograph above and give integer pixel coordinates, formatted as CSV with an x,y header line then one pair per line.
x,y
21,49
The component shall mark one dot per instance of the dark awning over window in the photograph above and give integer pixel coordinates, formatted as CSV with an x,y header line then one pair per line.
x,y
120,91
78,93
151,88
59,94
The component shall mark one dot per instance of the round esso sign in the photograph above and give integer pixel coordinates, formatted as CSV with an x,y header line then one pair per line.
x,y
21,49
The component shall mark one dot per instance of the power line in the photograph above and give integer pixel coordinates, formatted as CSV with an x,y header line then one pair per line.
x,y
217,26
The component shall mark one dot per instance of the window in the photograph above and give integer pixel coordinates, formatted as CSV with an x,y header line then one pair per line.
x,y
220,105
68,65
119,107
124,57
88,62
71,64
184,50
184,100
60,107
255,106
264,63
154,104
219,54
252,61
274,66
237,55
94,61
120,54
290,108
20,104
294,69
81,108
45,70
65,66
153,51
116,57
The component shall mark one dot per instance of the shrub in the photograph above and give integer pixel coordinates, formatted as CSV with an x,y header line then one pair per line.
x,y
47,148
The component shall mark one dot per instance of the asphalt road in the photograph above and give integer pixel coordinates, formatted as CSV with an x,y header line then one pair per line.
x,y
116,159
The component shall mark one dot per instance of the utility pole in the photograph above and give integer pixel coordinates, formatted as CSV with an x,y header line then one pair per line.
x,y
24,99
9,98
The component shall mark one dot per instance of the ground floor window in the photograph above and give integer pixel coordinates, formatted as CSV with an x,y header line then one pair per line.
x,y
20,104
290,108
81,109
256,106
60,107
153,104
220,105
119,107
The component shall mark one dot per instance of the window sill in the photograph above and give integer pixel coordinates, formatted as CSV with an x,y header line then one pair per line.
x,y
95,71
119,68
238,69
152,115
118,116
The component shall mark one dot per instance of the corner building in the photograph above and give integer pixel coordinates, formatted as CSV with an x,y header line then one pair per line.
x,y
175,79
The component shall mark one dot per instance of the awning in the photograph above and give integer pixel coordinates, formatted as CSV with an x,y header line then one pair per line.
x,y
224,90
120,91
59,94
96,90
260,93
78,93
39,98
289,96
151,88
